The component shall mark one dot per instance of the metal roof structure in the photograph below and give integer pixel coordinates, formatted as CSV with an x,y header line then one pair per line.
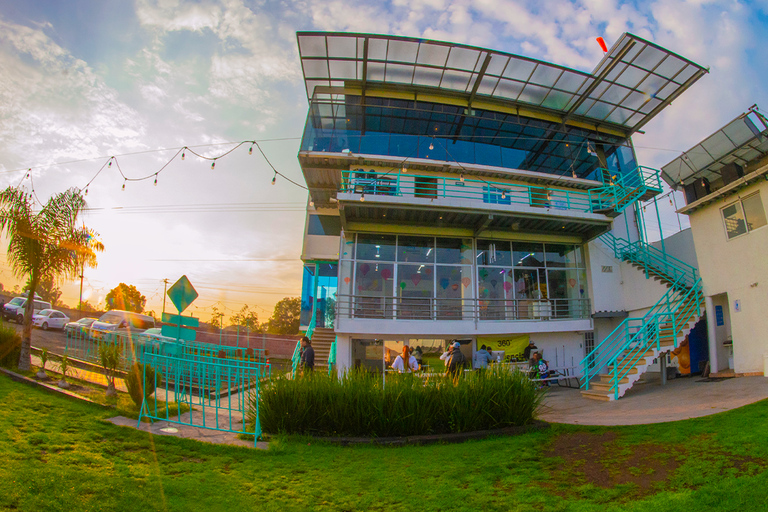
x,y
633,82
741,141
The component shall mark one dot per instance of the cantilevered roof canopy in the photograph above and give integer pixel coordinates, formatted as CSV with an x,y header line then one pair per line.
x,y
741,141
633,82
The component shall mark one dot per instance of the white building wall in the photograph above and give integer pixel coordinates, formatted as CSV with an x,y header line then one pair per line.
x,y
737,268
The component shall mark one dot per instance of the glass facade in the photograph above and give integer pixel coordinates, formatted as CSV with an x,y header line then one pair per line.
x,y
418,129
439,278
318,292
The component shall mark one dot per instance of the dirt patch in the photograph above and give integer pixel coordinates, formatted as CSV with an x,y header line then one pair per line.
x,y
603,460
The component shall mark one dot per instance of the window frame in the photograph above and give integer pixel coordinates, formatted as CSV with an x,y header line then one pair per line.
x,y
739,201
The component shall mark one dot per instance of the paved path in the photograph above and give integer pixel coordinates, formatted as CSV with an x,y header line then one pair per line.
x,y
680,399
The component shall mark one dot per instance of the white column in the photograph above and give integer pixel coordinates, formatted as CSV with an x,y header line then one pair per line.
x,y
711,337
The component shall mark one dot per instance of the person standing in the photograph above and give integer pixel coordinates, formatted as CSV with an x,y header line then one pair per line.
x,y
405,362
527,350
307,355
482,358
456,362
447,355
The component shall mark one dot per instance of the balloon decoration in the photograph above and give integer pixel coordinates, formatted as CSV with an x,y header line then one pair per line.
x,y
364,268
454,287
402,285
466,282
494,283
444,282
572,282
507,286
428,271
602,44
386,273
416,279
347,280
483,274
375,284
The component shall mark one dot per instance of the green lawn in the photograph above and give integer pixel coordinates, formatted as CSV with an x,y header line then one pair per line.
x,y
56,454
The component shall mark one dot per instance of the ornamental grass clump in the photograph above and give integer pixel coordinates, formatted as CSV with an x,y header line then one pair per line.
x,y
10,347
139,375
359,404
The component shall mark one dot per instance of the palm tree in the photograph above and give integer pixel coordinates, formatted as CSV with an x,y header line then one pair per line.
x,y
43,244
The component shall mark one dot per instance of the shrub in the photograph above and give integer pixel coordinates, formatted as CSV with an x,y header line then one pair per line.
x,y
10,347
139,374
109,356
356,404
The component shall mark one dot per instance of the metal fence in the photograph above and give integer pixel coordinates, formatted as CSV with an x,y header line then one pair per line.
x,y
404,308
217,383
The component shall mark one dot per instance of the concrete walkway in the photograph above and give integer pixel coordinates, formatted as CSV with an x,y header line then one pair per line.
x,y
680,399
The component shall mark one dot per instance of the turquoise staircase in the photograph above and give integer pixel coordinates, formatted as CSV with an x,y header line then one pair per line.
x,y
622,191
625,354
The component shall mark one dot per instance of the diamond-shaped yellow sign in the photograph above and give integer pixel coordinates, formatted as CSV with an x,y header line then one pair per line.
x,y
182,293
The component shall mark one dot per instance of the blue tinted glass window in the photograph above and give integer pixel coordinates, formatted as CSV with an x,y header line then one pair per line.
x,y
329,225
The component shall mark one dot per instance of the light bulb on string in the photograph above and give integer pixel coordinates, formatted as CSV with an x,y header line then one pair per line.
x,y
431,146
110,163
155,179
274,178
362,198
503,194
213,164
461,177
250,150
86,190
124,186
182,154
670,202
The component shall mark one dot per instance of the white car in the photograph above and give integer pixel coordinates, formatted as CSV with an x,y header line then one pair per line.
x,y
50,319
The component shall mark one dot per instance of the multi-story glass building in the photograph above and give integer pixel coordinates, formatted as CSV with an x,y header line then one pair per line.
x,y
454,191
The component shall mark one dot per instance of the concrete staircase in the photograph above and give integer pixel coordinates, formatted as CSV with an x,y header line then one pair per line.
x,y
633,346
322,339
602,388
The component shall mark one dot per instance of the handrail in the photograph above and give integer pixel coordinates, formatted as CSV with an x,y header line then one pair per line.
x,y
434,187
332,356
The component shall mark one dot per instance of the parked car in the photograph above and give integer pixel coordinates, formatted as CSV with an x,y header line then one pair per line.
x,y
121,321
80,327
15,309
50,319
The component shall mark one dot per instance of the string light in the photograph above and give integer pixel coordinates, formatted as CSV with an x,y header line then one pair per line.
x,y
124,185
461,177
362,197
431,146
182,154
274,178
250,150
213,164
86,190
110,163
503,194
155,179
405,169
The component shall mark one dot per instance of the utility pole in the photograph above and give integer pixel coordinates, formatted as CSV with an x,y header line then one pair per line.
x,y
165,288
82,271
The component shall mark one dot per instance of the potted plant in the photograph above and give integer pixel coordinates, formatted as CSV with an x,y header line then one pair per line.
x,y
109,355
43,360
65,366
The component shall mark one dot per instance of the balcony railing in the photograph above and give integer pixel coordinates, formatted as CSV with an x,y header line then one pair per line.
x,y
431,187
439,309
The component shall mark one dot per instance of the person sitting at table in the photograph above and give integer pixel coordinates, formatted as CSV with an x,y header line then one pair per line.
x,y
400,362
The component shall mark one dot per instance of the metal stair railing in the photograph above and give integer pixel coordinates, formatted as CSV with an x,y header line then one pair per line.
x,y
650,335
626,345
651,258
620,191
332,356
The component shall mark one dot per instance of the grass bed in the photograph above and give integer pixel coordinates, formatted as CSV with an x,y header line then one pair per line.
x,y
357,404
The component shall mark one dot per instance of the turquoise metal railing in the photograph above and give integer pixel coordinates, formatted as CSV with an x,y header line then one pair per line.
x,y
432,187
332,356
622,349
621,191
651,259
221,394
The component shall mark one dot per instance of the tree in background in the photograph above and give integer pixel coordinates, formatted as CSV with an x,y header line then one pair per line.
x,y
86,306
247,319
48,291
285,319
126,298
43,242
217,318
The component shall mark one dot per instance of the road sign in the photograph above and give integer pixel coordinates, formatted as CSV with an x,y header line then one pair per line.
x,y
176,332
182,293
185,321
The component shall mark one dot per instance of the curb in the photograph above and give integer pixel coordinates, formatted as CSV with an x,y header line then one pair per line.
x,y
51,389
459,437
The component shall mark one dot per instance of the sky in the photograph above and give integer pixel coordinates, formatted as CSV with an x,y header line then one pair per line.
x,y
82,81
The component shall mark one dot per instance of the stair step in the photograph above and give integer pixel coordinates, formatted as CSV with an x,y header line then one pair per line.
x,y
631,371
595,395
606,378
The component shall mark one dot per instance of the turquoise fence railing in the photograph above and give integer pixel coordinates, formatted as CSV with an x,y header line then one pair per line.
x,y
220,394
332,356
432,187
621,191
651,259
